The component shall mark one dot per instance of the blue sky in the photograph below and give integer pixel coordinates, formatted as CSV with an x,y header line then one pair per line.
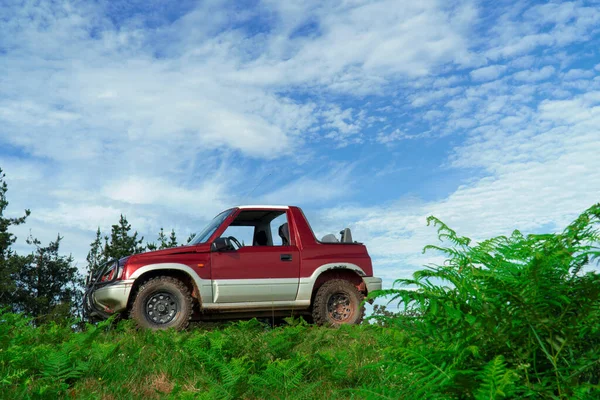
x,y
368,114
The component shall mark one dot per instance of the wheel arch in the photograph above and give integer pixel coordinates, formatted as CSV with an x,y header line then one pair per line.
x,y
178,271
346,271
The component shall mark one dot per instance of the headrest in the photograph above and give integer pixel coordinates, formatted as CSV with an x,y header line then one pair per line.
x,y
330,238
346,236
284,234
261,239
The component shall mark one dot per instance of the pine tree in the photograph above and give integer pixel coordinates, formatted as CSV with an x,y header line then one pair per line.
x,y
48,284
121,243
190,238
161,240
164,242
9,261
95,256
172,239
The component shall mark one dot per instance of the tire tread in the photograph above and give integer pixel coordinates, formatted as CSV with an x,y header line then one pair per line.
x,y
135,312
319,308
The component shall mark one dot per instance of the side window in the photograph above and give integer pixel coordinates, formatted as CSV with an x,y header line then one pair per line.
x,y
275,224
243,234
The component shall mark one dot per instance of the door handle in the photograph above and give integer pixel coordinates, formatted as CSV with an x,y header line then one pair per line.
x,y
286,257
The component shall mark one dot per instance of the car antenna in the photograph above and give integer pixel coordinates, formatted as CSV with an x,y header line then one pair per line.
x,y
255,187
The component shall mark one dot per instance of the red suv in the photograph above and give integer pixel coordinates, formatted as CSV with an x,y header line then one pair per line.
x,y
250,261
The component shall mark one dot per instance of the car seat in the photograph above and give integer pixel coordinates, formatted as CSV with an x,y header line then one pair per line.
x,y
330,238
284,234
261,239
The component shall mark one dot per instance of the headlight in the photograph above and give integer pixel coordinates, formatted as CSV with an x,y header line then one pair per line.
x,y
110,273
114,271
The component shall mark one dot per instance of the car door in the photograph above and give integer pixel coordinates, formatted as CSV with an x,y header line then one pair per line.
x,y
255,273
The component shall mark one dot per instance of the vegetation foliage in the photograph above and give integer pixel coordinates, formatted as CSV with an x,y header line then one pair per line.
x,y
9,261
510,317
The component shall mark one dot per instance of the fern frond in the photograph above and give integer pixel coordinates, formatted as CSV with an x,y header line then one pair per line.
x,y
497,380
60,366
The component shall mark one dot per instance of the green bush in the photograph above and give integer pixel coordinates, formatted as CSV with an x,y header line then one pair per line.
x,y
509,317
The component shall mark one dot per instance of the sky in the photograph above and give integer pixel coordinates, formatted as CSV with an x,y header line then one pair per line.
x,y
371,115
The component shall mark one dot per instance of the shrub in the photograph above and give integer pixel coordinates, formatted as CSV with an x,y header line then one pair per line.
x,y
513,316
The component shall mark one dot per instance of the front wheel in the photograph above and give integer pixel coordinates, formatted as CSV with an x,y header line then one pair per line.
x,y
161,303
338,302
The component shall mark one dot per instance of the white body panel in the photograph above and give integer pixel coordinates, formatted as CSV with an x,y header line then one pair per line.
x,y
259,305
254,290
113,297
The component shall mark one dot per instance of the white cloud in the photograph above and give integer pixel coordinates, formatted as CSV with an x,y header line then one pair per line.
x,y
85,217
329,183
204,201
21,170
574,74
343,126
354,54
207,91
582,111
396,136
487,73
423,98
387,138
535,75
391,169
523,29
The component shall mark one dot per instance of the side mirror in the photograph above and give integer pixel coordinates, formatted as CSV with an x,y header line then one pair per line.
x,y
221,244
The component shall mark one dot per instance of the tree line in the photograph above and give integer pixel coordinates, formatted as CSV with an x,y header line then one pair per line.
x,y
45,283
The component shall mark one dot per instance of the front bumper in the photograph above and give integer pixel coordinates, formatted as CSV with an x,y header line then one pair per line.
x,y
372,283
106,300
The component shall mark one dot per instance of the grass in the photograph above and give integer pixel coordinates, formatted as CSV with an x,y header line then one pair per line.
x,y
247,360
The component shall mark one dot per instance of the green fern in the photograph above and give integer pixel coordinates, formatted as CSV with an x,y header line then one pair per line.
x,y
497,381
12,376
280,376
520,300
61,366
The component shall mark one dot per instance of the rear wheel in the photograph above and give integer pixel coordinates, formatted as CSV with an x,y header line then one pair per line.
x,y
338,302
161,303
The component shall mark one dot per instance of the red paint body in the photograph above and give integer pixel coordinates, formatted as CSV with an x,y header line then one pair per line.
x,y
259,262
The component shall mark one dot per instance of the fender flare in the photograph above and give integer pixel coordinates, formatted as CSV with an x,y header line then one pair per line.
x,y
307,285
204,286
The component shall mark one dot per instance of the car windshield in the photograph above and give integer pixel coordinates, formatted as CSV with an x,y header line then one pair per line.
x,y
206,233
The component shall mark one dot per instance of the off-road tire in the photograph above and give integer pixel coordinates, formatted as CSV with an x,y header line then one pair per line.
x,y
175,297
326,298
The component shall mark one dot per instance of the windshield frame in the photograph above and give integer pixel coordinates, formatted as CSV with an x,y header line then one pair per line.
x,y
205,234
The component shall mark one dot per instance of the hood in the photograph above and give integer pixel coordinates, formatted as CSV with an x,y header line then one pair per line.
x,y
199,248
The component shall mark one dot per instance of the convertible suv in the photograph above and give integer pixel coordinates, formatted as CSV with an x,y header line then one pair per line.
x,y
250,261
